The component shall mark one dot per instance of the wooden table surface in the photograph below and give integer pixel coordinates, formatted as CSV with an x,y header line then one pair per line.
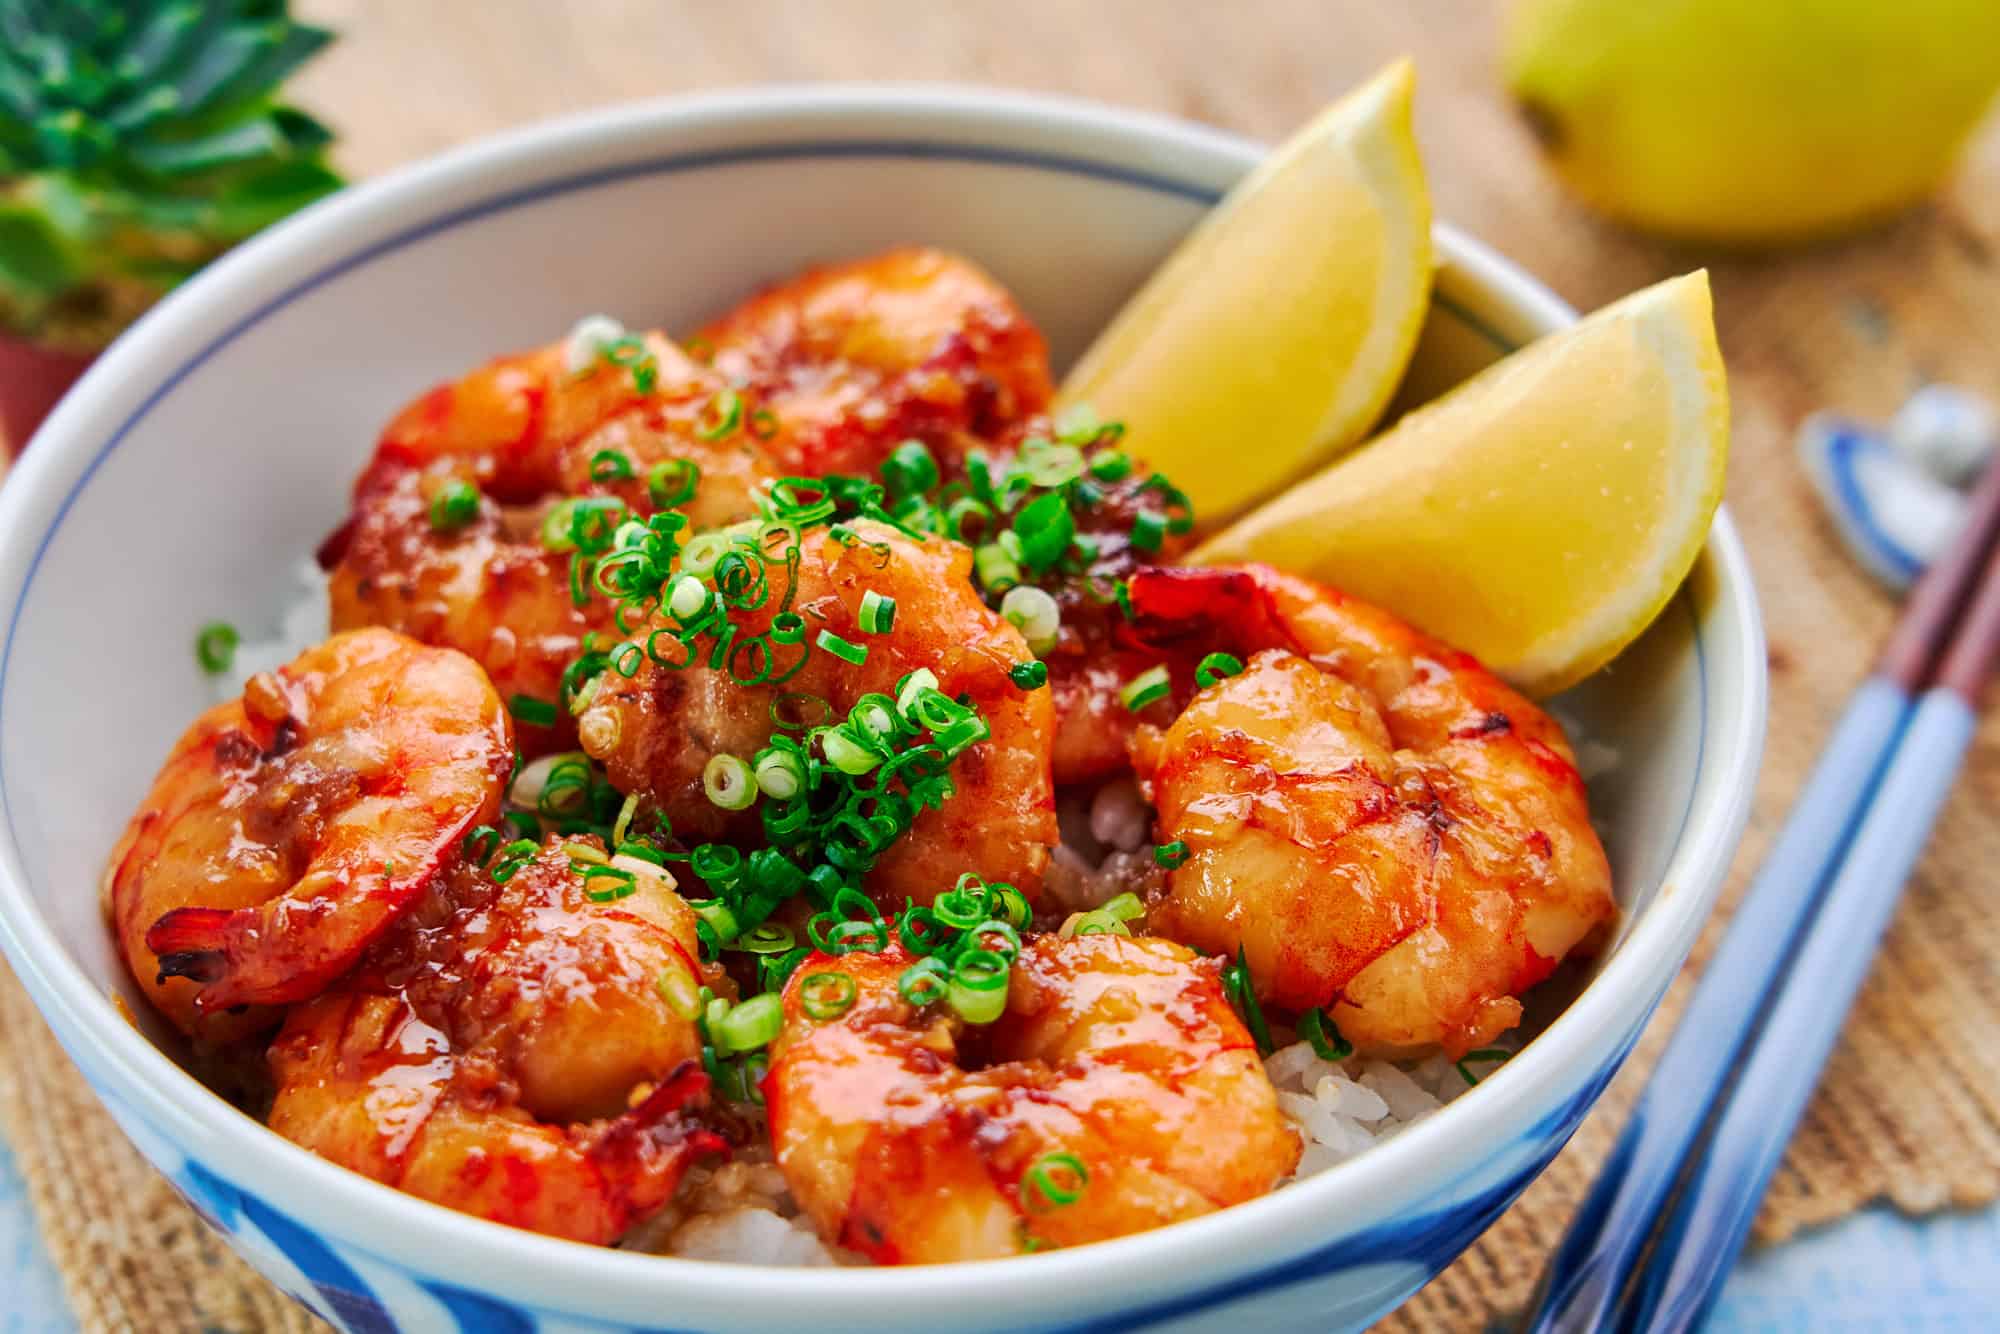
x,y
1854,325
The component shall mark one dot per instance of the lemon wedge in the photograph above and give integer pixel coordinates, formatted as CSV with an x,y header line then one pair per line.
x,y
1284,320
1539,515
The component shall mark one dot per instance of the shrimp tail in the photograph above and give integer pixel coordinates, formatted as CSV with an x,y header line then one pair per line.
x,y
191,943
642,1154
1176,606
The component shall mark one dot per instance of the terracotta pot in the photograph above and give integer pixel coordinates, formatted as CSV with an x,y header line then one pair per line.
x,y
32,378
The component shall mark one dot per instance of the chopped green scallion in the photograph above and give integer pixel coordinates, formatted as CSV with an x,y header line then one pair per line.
x,y
454,505
846,650
826,996
1327,1044
1029,675
1217,667
534,712
1148,687
727,781
878,613
215,647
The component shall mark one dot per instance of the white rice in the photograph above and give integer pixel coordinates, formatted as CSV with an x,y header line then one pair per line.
x,y
302,623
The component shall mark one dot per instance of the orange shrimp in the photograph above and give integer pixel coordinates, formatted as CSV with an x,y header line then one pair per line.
x,y
288,829
854,358
656,731
525,432
1118,1092
1381,825
508,1052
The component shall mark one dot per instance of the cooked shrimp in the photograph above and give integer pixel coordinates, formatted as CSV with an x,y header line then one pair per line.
x,y
524,432
656,732
854,358
288,829
508,1052
1118,1080
1381,825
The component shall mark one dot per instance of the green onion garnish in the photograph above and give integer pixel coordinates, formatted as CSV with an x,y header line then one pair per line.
x,y
847,754
1057,1180
827,995
878,613
749,1025
1170,856
924,982
534,712
910,470
1029,675
846,650
1149,530
215,647
1327,1044
1035,614
632,353
1111,465
480,844
610,465
1495,1055
703,553
728,784
1147,687
1217,667
726,408
995,567
1236,983
688,599
977,991
454,505
780,771
679,991
1045,529
512,858
605,884
623,824
556,526
1109,919
767,938
672,482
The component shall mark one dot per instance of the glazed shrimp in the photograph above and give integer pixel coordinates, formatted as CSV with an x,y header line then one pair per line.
x,y
1119,1092
655,732
854,358
508,1053
525,432
1381,825
288,829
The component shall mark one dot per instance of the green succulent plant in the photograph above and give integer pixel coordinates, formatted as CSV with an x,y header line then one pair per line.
x,y
138,140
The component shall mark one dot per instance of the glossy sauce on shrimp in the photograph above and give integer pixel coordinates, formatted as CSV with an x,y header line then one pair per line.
x,y
1119,1092
452,538
290,828
1380,824
657,731
509,1053
854,358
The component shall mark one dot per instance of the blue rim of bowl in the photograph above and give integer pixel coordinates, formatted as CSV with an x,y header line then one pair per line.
x,y
858,147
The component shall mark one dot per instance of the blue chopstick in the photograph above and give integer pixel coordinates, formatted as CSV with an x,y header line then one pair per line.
x,y
1681,1186
1698,1242
1587,1277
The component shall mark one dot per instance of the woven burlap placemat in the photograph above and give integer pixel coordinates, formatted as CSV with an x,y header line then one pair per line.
x,y
1909,1110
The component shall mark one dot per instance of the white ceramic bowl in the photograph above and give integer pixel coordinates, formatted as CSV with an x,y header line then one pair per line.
x,y
211,448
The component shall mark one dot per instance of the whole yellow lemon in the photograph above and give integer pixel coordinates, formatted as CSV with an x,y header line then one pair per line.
x,y
1752,122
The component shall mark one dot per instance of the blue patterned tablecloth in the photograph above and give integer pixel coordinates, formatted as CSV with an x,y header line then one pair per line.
x,y
1875,1273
